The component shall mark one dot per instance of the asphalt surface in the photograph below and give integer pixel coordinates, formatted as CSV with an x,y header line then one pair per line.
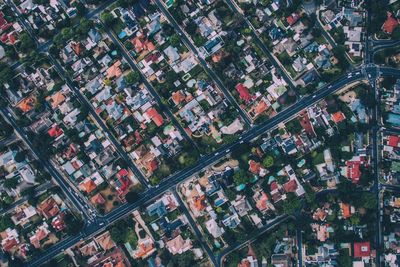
x,y
205,161
235,8
77,201
204,64
82,98
369,72
133,64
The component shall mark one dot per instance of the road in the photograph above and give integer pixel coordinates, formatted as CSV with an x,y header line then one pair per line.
x,y
76,200
187,41
235,8
133,64
195,228
180,176
82,99
38,190
369,72
261,231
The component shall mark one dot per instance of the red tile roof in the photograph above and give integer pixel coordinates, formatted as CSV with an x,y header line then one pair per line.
x,y
243,92
293,18
273,186
362,249
393,140
338,116
290,186
254,167
353,170
10,244
306,124
155,116
55,131
390,24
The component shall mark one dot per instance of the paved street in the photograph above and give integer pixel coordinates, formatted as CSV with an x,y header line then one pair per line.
x,y
95,223
204,64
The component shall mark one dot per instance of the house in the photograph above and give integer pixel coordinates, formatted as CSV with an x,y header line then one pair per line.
x,y
105,241
144,249
362,250
58,222
153,114
40,234
178,245
48,207
390,24
281,260
292,19
244,93
9,239
214,229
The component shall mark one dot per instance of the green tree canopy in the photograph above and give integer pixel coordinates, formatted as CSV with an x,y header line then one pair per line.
x,y
240,177
107,18
132,77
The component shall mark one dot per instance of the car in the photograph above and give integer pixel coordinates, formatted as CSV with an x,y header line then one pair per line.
x,y
314,96
216,154
241,142
228,150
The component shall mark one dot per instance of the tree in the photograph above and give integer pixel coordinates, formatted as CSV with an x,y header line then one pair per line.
x,y
30,191
191,28
132,196
184,259
294,126
240,177
26,43
80,8
175,40
11,183
74,225
268,161
107,18
5,222
344,258
84,27
6,73
20,156
132,77
292,204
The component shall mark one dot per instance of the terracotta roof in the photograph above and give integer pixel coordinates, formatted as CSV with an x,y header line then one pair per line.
x,y
293,18
353,170
346,213
77,47
362,249
305,123
390,23
200,203
254,167
55,131
155,116
178,97
393,140
338,116
27,104
89,186
243,92
48,208
56,99
261,203
114,70
261,107
152,165
98,199
290,186
10,244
